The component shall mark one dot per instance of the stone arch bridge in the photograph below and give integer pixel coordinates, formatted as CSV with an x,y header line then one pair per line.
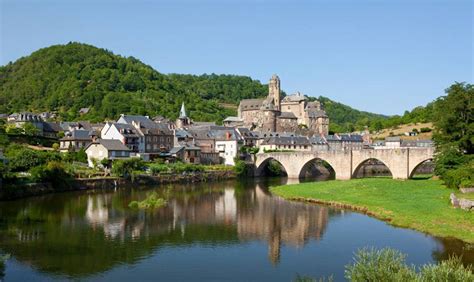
x,y
402,162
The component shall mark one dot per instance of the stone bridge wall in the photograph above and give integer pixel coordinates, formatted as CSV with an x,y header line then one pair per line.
x,y
401,162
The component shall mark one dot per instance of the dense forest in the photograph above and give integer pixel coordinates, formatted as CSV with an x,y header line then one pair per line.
x,y
66,78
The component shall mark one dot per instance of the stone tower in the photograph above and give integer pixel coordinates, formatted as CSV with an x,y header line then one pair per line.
x,y
274,91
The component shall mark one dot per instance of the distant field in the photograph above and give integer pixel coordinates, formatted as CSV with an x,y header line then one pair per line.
x,y
401,129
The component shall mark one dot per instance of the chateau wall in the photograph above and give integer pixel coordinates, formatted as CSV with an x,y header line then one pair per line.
x,y
287,125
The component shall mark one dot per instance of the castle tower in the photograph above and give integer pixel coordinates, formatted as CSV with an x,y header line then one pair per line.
x,y
274,91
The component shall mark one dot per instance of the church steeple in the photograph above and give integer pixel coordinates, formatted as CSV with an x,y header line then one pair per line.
x,y
182,112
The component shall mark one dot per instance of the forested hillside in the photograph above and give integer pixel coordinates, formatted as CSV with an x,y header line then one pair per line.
x,y
66,78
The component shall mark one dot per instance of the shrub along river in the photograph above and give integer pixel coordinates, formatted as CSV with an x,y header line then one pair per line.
x,y
231,230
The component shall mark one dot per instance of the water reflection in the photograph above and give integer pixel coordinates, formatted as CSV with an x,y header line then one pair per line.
x,y
85,233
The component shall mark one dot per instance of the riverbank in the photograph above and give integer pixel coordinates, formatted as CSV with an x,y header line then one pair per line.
x,y
423,205
12,192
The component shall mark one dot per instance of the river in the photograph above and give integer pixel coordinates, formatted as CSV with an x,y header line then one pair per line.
x,y
227,231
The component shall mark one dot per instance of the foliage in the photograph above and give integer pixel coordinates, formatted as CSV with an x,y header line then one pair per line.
x,y
379,265
53,172
21,158
73,156
30,129
451,269
454,135
152,201
159,167
274,168
390,265
249,150
454,118
65,78
3,259
240,168
125,168
402,203
425,129
461,176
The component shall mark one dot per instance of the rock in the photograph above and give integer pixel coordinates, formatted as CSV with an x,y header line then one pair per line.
x,y
466,190
466,204
454,200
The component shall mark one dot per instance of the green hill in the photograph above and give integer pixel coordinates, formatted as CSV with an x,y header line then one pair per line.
x,y
66,78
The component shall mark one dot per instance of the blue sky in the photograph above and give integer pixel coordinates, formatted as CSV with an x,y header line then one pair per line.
x,y
379,56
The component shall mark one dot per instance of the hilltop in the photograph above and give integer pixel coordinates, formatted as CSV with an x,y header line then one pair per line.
x,y
66,78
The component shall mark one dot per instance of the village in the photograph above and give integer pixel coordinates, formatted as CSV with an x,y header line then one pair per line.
x,y
262,125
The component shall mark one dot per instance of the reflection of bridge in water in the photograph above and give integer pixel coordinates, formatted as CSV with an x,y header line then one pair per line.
x,y
402,162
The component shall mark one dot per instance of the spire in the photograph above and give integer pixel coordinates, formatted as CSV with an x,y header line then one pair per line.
x,y
182,112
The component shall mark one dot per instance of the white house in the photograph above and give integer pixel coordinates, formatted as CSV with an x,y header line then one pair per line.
x,y
127,134
228,143
102,149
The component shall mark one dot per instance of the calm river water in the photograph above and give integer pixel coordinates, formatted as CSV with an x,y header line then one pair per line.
x,y
227,231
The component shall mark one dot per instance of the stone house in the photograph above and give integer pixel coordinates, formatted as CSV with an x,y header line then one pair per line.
x,y
106,149
187,153
75,140
290,114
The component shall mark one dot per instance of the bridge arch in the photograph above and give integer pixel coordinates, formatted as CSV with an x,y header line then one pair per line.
x,y
317,161
417,165
260,169
375,161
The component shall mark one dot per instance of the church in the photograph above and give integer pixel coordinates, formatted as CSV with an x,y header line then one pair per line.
x,y
290,114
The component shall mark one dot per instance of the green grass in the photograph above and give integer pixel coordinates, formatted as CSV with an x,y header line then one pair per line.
x,y
423,205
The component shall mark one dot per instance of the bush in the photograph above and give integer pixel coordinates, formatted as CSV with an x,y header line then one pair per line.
x,y
22,158
152,201
3,259
379,265
125,168
425,129
53,172
389,265
240,168
79,156
462,176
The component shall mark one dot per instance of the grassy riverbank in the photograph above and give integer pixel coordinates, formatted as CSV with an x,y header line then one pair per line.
x,y
419,204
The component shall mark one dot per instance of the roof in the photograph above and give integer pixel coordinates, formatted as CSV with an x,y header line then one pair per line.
x,y
351,137
233,119
181,133
250,104
317,139
77,134
283,140
288,115
393,139
51,127
297,97
84,110
247,133
176,149
111,145
144,121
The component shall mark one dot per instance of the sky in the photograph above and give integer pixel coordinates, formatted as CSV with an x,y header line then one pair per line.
x,y
381,56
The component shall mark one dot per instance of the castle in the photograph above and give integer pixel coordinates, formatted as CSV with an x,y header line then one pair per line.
x,y
290,114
